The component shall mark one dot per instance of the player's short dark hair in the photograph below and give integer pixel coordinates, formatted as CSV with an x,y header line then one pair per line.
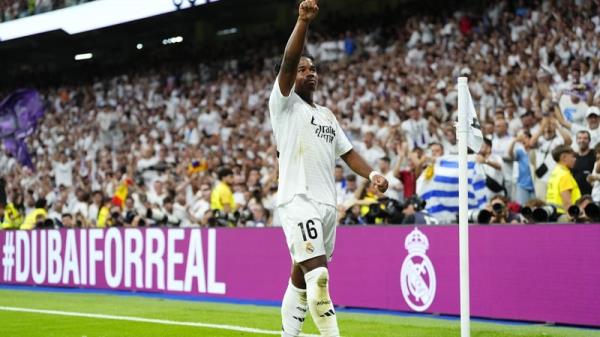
x,y
304,54
385,159
308,56
338,166
224,172
351,177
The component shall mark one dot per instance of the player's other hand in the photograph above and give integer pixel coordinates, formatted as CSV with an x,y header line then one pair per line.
x,y
380,183
308,10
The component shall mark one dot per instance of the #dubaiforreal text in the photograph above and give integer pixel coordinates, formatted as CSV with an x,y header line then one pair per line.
x,y
152,259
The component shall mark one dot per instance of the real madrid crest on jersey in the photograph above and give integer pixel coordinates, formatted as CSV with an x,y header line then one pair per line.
x,y
417,276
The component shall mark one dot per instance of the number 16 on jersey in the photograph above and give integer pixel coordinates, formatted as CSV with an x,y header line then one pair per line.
x,y
309,229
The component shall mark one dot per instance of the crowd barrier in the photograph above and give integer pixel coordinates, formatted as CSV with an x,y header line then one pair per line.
x,y
547,273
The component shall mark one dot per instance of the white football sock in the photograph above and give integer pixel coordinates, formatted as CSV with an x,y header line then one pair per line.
x,y
293,311
319,302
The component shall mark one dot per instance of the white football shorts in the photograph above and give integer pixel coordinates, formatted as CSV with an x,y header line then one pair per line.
x,y
309,228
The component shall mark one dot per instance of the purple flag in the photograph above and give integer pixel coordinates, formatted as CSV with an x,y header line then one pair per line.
x,y
19,114
18,148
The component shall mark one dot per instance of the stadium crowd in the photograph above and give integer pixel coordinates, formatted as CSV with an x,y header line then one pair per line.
x,y
195,147
16,9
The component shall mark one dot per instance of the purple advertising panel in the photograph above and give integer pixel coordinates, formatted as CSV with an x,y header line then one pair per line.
x,y
547,273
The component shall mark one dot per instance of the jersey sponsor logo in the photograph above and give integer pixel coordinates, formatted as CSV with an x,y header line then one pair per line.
x,y
326,132
417,276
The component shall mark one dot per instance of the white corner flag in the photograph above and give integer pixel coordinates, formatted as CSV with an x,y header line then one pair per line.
x,y
468,134
475,136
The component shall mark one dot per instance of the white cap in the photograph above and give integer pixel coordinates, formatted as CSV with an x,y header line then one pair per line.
x,y
592,111
441,85
465,71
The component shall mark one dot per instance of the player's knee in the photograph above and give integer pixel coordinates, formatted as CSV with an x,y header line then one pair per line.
x,y
318,280
323,277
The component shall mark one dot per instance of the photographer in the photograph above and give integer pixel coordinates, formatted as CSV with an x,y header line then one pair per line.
x,y
257,216
500,213
131,215
67,221
352,216
81,221
414,213
578,212
367,198
166,216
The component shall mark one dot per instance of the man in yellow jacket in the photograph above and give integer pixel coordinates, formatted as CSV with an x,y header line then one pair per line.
x,y
563,190
12,218
221,197
35,216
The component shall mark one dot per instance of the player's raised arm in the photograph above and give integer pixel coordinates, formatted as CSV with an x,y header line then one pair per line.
x,y
293,50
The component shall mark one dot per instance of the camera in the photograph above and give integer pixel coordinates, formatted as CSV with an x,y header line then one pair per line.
x,y
221,219
481,216
417,203
243,216
592,211
117,220
376,211
574,211
527,212
45,224
545,213
498,208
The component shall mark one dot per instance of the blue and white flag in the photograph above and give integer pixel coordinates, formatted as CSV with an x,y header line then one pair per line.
x,y
440,189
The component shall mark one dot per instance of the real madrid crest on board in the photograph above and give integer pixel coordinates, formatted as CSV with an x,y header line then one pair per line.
x,y
417,276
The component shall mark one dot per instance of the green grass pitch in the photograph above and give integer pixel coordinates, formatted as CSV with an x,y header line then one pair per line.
x,y
17,324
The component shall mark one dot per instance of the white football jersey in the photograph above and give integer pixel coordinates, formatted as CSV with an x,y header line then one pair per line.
x,y
309,140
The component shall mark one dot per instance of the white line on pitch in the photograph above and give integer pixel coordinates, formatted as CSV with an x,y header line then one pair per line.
x,y
149,320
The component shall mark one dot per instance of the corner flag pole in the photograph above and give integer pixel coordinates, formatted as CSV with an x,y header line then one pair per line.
x,y
463,205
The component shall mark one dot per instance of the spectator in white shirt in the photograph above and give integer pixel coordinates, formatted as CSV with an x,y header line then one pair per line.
x,y
416,130
500,144
592,118
63,171
94,207
396,188
492,167
545,140
370,150
191,134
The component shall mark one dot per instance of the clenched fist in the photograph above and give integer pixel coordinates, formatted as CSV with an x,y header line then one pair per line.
x,y
308,10
380,183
